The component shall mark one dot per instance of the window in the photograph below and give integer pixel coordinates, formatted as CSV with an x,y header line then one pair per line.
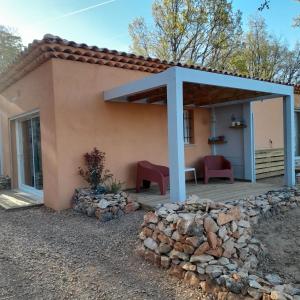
x,y
188,128
297,133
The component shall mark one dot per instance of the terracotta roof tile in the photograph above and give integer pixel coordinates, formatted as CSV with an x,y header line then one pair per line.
x,y
51,46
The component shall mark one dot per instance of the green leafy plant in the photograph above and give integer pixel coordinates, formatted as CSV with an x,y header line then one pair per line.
x,y
113,186
94,171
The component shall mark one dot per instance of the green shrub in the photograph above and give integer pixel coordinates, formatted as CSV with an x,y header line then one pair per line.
x,y
113,186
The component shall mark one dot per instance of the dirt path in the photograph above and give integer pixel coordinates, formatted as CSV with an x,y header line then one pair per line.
x,y
47,255
281,235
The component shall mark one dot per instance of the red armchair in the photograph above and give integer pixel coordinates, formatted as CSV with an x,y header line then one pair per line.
x,y
147,172
217,166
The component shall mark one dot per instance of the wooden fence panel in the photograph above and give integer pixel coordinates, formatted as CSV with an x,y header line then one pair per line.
x,y
269,163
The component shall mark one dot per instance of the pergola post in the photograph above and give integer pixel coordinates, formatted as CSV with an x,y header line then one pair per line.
x,y
249,146
176,138
289,135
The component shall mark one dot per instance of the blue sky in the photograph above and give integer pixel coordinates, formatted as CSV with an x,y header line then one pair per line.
x,y
106,25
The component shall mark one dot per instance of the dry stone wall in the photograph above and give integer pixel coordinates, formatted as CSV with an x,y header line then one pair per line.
x,y
5,183
211,245
104,207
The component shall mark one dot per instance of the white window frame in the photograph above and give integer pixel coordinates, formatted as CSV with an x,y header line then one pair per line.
x,y
23,187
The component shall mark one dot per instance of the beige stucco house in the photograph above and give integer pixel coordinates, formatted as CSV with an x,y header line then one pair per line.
x,y
53,111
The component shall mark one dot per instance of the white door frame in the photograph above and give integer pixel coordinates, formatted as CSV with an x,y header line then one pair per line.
x,y
23,187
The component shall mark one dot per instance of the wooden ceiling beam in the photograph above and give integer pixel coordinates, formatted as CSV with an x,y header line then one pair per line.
x,y
147,94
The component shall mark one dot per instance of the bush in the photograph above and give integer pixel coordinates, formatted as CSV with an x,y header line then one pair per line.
x,y
94,172
113,186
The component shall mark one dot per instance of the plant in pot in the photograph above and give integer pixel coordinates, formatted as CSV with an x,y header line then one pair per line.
x,y
94,172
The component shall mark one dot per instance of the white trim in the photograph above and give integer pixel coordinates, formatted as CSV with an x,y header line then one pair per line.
x,y
24,116
19,147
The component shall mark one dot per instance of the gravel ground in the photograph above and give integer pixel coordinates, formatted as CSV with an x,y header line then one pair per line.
x,y
281,236
50,255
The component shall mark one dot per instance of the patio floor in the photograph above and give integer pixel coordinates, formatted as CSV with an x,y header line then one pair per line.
x,y
15,199
218,190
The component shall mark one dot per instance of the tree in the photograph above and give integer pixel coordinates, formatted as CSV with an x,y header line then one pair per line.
x,y
10,46
261,54
297,19
290,70
194,31
264,56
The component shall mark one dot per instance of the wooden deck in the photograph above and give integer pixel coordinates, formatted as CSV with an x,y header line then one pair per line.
x,y
14,199
216,191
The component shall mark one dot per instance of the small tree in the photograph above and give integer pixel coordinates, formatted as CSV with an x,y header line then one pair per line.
x,y
94,172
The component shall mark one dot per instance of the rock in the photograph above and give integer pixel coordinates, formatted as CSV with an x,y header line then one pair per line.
x,y
185,226
91,211
275,295
274,279
223,261
291,290
176,271
178,246
201,258
164,248
147,232
191,279
188,266
176,236
172,218
218,252
222,232
178,254
228,247
232,215
231,267
188,249
202,249
200,270
162,212
212,240
152,257
254,284
150,244
214,270
131,206
171,206
254,293
150,217
165,261
244,224
194,241
164,239
103,204
168,231
210,225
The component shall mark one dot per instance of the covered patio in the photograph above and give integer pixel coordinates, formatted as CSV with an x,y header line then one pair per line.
x,y
180,87
218,191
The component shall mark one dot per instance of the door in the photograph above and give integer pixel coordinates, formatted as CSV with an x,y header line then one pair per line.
x,y
30,172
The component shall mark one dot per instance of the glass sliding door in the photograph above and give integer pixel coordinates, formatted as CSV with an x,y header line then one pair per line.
x,y
29,154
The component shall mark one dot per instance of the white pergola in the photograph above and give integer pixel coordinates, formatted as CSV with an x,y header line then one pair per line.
x,y
174,79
